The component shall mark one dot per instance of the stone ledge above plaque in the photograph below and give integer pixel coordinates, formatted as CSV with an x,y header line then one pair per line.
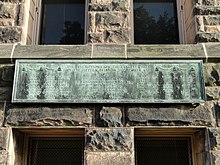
x,y
108,81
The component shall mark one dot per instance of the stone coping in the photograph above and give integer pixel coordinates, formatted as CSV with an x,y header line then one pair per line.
x,y
209,52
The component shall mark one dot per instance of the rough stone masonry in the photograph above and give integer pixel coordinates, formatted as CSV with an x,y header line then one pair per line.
x,y
110,128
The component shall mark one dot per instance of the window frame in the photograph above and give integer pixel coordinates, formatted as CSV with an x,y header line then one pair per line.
x,y
180,22
26,133
191,133
37,27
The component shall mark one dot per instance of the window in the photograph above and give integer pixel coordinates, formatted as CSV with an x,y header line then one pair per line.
x,y
48,146
57,22
155,22
166,151
182,146
63,22
52,151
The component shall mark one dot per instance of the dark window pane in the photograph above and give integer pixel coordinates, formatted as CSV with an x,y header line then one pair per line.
x,y
56,151
63,22
155,22
163,151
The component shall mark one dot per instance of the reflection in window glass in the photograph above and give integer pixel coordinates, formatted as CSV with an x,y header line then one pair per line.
x,y
155,22
63,22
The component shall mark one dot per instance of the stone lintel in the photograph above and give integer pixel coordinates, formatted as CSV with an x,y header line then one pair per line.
x,y
109,158
49,116
103,51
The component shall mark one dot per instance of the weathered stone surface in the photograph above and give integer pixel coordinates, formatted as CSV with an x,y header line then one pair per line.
x,y
12,1
10,34
5,94
201,115
95,37
49,51
7,22
109,139
213,93
109,117
212,20
49,116
109,51
4,138
7,10
6,75
100,7
207,10
205,2
5,53
109,158
120,5
211,74
3,157
165,51
117,36
215,157
208,37
111,20
213,50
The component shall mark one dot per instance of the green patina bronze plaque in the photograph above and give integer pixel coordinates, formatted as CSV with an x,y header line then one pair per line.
x,y
108,81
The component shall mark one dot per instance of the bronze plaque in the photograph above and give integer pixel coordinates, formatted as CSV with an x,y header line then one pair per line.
x,y
108,81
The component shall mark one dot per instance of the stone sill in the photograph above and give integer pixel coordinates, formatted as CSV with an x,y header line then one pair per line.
x,y
209,52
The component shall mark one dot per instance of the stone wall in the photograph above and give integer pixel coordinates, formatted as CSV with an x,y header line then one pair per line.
x,y
11,14
109,21
208,20
109,129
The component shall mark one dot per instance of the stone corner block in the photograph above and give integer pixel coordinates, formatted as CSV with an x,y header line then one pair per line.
x,y
109,139
109,117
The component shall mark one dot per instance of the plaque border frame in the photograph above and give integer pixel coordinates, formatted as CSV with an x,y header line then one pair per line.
x,y
201,82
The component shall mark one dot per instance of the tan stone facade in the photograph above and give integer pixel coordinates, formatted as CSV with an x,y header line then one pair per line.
x,y
109,35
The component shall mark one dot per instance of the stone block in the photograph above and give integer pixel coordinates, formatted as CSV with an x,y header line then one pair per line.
x,y
117,36
3,157
49,116
120,5
213,93
165,51
111,20
95,38
7,22
51,51
200,115
212,20
109,139
100,7
213,53
109,51
10,34
7,10
109,158
212,29
208,37
109,117
5,53
4,138
212,74
215,157
207,10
